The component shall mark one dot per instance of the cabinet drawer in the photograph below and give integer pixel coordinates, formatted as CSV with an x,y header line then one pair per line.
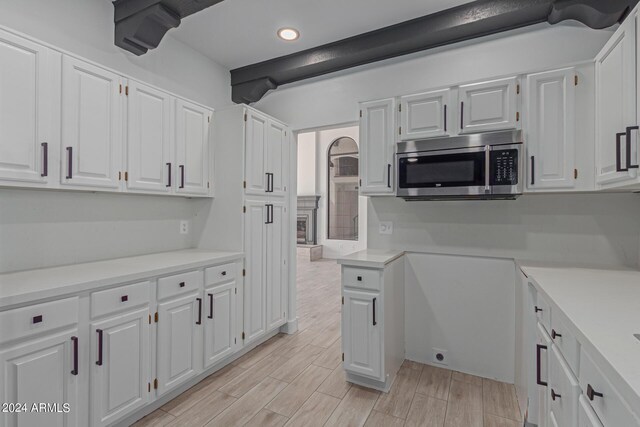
x,y
566,342
563,390
586,416
179,284
118,299
364,278
610,408
219,274
23,322
543,312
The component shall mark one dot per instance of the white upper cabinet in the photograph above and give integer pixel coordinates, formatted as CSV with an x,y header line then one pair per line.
x,y
488,106
377,147
149,139
192,148
29,87
616,107
425,115
92,105
550,129
255,153
277,154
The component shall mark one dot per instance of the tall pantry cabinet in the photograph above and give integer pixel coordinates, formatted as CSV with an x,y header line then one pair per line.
x,y
253,201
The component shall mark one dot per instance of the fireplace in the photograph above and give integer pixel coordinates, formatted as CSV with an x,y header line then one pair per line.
x,y
307,230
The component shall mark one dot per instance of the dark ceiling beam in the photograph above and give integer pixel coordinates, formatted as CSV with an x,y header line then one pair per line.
x,y
141,24
465,22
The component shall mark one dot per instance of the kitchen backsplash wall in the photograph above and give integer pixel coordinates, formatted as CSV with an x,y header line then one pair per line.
x,y
582,228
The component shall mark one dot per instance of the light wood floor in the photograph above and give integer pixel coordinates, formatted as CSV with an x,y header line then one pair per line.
x,y
297,380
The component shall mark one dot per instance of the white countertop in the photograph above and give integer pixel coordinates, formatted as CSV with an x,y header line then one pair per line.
x,y
31,285
604,307
371,258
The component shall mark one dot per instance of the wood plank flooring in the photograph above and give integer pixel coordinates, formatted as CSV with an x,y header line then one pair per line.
x,y
297,380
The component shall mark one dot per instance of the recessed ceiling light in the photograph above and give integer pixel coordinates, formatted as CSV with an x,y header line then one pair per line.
x,y
288,34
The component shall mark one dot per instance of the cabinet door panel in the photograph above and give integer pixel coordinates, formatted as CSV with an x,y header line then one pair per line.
x,y
276,267
377,147
219,331
562,382
255,263
361,339
119,384
543,340
91,125
28,87
177,330
192,148
615,102
550,129
488,106
425,115
40,372
586,416
277,152
255,154
149,138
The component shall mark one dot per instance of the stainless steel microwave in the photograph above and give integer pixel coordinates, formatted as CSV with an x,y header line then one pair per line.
x,y
481,166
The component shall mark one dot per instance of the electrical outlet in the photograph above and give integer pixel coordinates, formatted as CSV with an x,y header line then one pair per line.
x,y
184,227
386,227
440,357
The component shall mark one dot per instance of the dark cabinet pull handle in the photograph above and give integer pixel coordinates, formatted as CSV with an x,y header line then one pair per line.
x,y
99,361
75,356
224,273
69,162
124,298
168,175
389,175
45,159
374,312
591,393
461,115
199,322
539,381
269,214
359,278
210,316
445,117
181,176
533,170
538,309
37,319
269,182
555,395
619,167
554,334
628,140
181,284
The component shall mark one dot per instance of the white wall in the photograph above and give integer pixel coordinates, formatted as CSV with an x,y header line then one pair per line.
x,y
39,228
583,228
336,248
333,99
307,164
464,306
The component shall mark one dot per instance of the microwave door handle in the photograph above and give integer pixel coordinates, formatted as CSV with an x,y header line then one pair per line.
x,y
487,169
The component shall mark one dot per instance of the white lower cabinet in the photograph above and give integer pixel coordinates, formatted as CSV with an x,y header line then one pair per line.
x,y
373,323
120,365
361,340
276,268
586,416
219,323
42,370
563,390
179,321
543,347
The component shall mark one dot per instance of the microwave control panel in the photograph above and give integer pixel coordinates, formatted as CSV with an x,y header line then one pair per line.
x,y
504,167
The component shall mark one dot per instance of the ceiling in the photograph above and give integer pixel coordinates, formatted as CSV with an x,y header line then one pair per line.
x,y
235,33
